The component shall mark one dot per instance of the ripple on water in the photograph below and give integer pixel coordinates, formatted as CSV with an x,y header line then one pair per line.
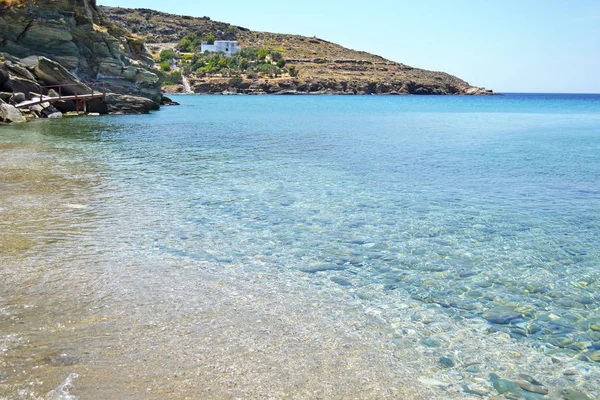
x,y
487,231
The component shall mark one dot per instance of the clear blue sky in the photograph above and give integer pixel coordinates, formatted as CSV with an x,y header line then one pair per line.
x,y
507,45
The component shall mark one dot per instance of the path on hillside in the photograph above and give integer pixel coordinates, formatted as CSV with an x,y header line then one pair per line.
x,y
186,85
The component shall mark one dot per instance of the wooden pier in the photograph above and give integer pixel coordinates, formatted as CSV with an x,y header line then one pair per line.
x,y
98,92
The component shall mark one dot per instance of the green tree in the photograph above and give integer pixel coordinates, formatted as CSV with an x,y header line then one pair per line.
x,y
244,63
184,45
189,43
276,55
292,70
281,63
262,54
210,38
249,53
167,55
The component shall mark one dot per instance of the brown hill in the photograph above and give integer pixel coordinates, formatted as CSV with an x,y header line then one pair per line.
x,y
323,67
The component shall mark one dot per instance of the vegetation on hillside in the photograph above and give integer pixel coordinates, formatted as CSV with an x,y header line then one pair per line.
x,y
249,62
314,64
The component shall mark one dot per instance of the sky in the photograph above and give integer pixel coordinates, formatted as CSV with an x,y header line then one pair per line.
x,y
539,46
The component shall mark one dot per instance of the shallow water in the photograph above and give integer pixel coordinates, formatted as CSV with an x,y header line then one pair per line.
x,y
282,246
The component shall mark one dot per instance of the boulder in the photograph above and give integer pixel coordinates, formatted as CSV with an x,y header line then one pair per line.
x,y
167,101
476,91
49,110
17,98
55,115
4,75
19,70
16,84
9,113
115,103
37,110
52,73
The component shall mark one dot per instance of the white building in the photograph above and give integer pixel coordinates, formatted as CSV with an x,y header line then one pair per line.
x,y
229,47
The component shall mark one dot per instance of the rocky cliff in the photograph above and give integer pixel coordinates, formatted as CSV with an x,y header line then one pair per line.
x,y
77,35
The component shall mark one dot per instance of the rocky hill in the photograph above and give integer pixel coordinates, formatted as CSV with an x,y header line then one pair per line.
x,y
323,67
78,44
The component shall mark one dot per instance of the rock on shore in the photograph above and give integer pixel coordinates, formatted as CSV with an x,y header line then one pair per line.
x,y
291,86
49,42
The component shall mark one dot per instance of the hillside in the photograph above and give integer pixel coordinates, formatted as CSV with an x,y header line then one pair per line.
x,y
323,67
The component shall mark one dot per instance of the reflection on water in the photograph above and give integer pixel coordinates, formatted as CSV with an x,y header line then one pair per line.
x,y
382,248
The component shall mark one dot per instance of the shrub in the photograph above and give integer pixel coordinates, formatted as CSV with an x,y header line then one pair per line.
x,y
249,53
173,78
189,43
281,63
276,55
165,66
210,38
268,69
167,55
262,54
292,70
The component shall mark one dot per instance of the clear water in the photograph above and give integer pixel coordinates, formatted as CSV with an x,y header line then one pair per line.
x,y
486,206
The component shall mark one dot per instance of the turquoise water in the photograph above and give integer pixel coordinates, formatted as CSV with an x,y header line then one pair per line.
x,y
486,206
471,203
474,203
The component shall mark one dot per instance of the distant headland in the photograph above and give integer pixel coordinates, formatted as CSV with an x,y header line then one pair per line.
x,y
54,49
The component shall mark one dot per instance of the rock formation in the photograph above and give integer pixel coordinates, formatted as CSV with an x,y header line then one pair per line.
x,y
56,42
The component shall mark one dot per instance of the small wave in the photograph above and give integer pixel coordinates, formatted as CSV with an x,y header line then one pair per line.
x,y
62,391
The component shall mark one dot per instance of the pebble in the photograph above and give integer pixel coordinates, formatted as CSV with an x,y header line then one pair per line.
x,y
570,394
321,267
446,362
431,382
503,386
530,387
530,379
61,360
500,316
340,280
430,342
593,355
476,390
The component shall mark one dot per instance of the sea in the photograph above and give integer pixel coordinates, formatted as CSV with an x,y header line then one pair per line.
x,y
304,247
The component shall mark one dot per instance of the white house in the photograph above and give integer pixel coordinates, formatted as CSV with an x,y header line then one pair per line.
x,y
229,47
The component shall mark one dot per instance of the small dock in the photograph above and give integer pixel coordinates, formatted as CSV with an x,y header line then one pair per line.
x,y
98,92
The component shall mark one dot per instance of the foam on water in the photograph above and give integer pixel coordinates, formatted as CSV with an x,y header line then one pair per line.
x,y
62,391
